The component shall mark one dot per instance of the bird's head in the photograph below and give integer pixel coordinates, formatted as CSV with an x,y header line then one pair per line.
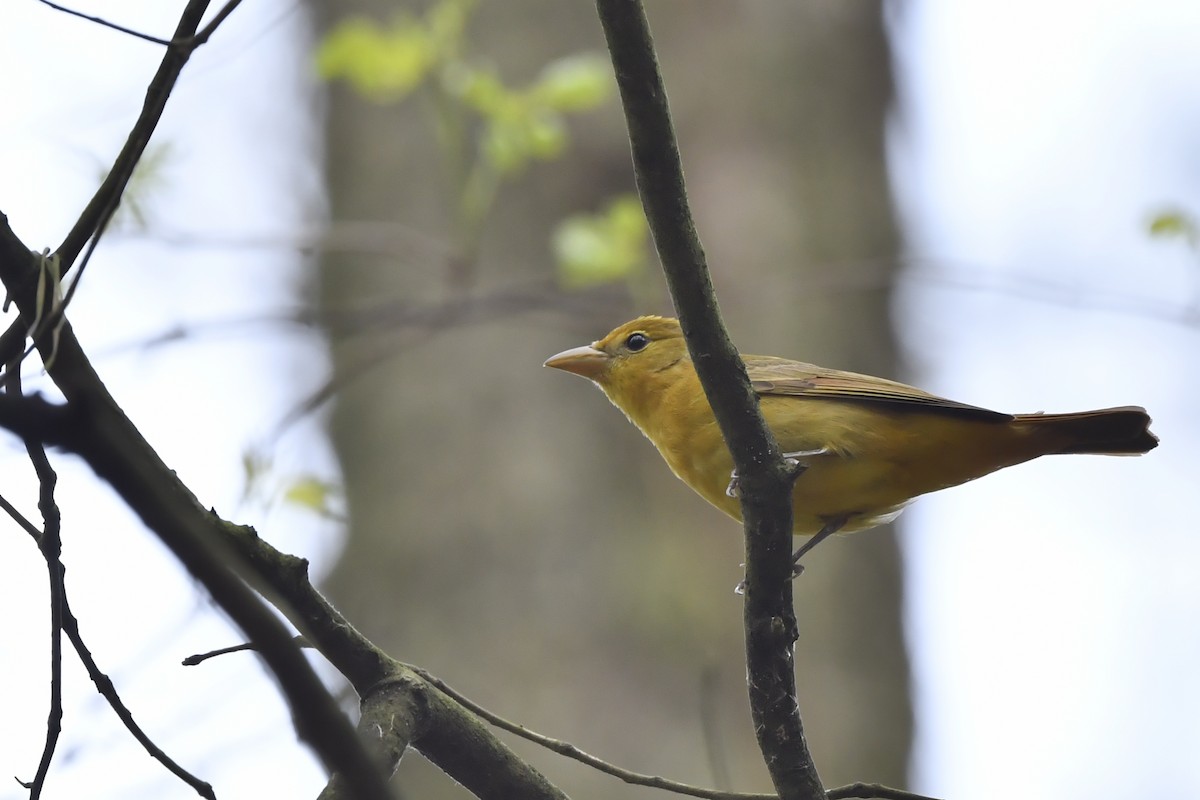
x,y
626,358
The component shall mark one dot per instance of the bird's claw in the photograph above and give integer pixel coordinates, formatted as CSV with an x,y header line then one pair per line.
x,y
791,462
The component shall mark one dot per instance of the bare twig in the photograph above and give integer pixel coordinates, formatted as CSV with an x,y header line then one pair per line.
x,y
19,518
108,195
49,541
200,658
571,751
208,30
104,684
51,547
873,791
96,428
108,691
766,504
107,198
105,23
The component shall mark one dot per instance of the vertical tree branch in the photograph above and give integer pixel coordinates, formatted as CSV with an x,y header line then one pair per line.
x,y
765,481
49,542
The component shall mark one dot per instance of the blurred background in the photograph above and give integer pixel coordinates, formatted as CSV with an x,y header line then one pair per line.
x,y
364,229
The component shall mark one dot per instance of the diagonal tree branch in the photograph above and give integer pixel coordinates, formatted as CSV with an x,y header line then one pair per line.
x,y
765,481
108,691
223,555
108,195
100,209
104,684
94,426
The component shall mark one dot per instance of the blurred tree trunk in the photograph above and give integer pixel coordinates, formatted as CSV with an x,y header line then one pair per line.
x,y
510,531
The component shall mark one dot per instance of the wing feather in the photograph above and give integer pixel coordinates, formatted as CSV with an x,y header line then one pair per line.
x,y
784,377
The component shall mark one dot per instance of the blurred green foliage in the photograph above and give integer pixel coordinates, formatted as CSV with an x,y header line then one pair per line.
x,y
266,486
1176,224
387,63
600,248
490,131
145,182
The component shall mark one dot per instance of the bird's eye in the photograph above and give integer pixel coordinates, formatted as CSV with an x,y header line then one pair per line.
x,y
636,342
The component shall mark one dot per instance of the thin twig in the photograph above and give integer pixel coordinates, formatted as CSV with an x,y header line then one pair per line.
x,y
873,791
157,93
20,519
200,658
105,23
208,30
104,684
108,196
50,545
571,751
864,791
58,310
93,425
108,691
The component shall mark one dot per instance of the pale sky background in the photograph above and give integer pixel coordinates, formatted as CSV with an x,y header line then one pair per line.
x,y
1052,607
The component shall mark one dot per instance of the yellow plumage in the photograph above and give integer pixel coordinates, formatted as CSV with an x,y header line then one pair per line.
x,y
883,442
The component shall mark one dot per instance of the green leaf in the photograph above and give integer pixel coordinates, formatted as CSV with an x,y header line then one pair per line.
x,y
310,492
1171,224
446,22
602,248
255,466
480,89
383,64
546,135
574,83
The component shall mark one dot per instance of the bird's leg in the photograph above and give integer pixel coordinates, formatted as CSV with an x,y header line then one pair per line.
x,y
832,526
791,460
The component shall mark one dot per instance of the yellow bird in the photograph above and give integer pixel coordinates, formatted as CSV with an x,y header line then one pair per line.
x,y
867,446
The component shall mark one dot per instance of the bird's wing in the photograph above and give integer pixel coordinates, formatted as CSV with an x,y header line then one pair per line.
x,y
783,377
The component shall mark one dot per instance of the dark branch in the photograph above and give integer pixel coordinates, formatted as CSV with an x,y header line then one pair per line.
x,y
391,716
571,751
447,734
49,541
108,196
104,202
199,658
212,549
93,426
765,481
458,743
873,791
105,23
108,691
211,28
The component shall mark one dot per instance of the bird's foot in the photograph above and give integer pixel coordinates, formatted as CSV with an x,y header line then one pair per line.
x,y
795,463
832,526
795,466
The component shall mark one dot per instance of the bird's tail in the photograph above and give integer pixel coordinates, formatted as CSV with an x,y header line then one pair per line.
x,y
1123,431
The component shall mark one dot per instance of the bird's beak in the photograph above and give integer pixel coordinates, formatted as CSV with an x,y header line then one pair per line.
x,y
586,361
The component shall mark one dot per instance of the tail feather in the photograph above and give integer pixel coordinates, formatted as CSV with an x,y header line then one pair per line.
x,y
1123,431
